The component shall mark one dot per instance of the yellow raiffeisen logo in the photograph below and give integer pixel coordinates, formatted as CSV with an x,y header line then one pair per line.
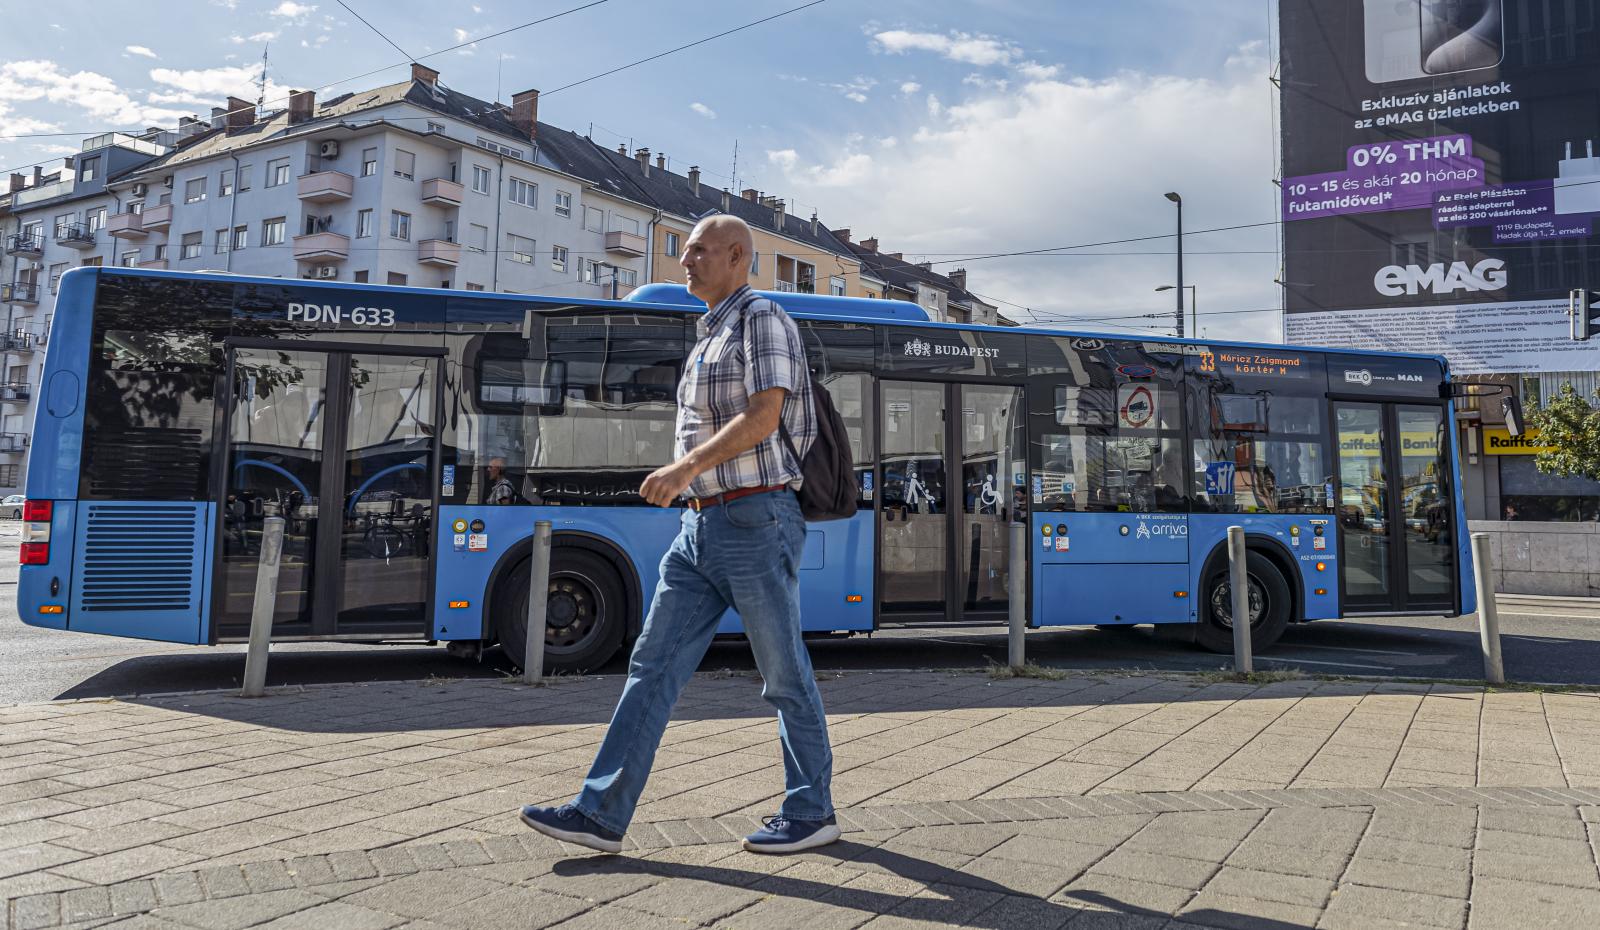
x,y
1501,442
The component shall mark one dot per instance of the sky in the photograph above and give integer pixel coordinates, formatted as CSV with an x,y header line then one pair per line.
x,y
948,129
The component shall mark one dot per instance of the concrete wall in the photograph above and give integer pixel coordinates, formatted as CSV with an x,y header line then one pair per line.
x,y
1559,559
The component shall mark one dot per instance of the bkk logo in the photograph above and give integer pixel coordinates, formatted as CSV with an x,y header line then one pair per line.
x,y
1486,275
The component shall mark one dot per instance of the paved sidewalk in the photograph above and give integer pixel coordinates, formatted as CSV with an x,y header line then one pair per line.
x,y
1090,802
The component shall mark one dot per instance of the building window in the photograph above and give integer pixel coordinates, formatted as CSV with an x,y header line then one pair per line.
x,y
363,224
674,243
519,248
225,183
222,242
594,220
478,238
399,225
244,178
64,222
435,127
360,277
480,179
590,271
627,277
405,164
94,262
272,231
95,218
755,262
493,146
397,279
474,287
277,172
56,271
563,203
89,169
135,207
241,237
558,259
8,475
128,260
161,253
626,224
836,285
191,245
523,192
194,190
369,162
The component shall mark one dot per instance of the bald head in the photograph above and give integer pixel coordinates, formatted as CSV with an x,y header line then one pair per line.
x,y
717,257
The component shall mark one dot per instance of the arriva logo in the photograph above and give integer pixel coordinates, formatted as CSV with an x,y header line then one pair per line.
x,y
1394,280
1163,530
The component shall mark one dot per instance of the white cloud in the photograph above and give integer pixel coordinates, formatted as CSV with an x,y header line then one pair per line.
x,y
461,35
1054,161
703,110
22,125
256,37
857,96
209,86
978,80
910,87
140,50
288,9
888,142
1034,71
97,95
967,48
854,89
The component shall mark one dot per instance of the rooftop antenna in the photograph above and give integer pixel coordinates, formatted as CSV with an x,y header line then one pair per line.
x,y
261,96
735,172
498,70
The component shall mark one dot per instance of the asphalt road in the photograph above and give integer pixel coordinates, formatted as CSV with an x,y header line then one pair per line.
x,y
43,664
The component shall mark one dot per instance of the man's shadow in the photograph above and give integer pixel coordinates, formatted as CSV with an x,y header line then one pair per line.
x,y
1005,909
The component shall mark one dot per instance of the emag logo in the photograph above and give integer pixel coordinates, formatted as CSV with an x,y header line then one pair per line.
x,y
1394,280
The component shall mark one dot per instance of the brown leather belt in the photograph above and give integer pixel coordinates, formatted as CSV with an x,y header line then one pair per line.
x,y
698,504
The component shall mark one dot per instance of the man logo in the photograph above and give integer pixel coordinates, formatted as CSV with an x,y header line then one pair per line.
x,y
1362,377
1486,275
1088,345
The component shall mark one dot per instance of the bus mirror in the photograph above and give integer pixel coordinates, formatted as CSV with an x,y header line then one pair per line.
x,y
1511,408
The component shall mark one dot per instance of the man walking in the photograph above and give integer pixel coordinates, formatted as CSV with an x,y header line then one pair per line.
x,y
744,386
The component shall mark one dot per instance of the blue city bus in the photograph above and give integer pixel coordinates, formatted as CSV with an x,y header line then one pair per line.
x,y
434,427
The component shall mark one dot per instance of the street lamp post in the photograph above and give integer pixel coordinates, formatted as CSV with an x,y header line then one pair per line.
x,y
1194,301
1173,196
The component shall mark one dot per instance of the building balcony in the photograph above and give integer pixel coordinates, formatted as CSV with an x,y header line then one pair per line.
x,y
158,264
442,193
441,252
126,226
156,219
326,186
26,246
625,243
22,292
17,392
321,247
75,235
786,287
12,443
16,342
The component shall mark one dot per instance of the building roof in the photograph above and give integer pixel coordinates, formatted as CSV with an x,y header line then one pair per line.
x,y
666,190
907,275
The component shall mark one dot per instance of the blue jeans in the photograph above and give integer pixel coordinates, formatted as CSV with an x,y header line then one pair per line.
x,y
744,554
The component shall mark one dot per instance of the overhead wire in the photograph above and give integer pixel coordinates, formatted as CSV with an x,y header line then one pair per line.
x,y
375,29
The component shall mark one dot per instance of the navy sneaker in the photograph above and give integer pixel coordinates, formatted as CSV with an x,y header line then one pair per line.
x,y
781,835
569,824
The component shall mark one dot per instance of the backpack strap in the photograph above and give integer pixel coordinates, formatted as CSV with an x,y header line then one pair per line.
x,y
783,430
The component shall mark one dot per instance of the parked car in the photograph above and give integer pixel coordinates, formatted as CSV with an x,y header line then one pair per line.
x,y
12,506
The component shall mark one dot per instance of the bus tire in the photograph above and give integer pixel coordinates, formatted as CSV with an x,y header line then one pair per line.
x,y
585,619
1270,604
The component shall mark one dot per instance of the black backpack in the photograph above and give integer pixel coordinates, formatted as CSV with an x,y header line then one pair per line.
x,y
828,490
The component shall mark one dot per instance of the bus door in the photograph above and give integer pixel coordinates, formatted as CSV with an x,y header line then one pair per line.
x,y
1397,549
952,465
343,445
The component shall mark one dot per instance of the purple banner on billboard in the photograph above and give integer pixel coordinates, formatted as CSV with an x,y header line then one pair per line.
x,y
1526,212
1384,176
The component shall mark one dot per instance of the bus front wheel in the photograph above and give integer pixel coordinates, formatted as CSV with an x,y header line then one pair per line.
x,y
584,610
1269,601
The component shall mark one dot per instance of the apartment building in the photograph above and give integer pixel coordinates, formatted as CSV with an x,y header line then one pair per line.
x,y
944,296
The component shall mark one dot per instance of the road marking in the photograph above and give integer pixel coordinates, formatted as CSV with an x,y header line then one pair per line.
x,y
1385,668
1381,652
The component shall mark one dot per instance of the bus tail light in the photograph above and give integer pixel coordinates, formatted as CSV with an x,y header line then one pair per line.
x,y
36,532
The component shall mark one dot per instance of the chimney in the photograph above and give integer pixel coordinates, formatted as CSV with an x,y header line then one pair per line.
x,y
958,277
814,223
843,235
219,118
642,156
622,148
750,194
241,114
38,175
424,74
925,266
871,245
897,256
661,162
777,215
18,182
727,199
525,113
302,105
694,180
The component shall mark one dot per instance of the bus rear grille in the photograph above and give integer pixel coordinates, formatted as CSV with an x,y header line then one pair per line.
x,y
140,557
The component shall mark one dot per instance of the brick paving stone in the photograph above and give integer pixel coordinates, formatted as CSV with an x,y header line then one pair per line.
x,y
1151,867
133,897
334,915
424,894
1357,907
1499,904
238,913
525,908
1289,860
1406,876
128,863
1110,892
84,904
1212,909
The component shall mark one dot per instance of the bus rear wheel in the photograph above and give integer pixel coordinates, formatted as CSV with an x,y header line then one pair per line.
x,y
1269,601
584,612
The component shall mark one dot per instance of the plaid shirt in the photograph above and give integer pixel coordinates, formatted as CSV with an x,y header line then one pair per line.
x,y
746,345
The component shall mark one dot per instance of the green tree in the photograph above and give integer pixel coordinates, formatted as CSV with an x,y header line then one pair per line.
x,y
1571,427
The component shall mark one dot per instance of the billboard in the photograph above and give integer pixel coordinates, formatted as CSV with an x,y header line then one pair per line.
x,y
1441,163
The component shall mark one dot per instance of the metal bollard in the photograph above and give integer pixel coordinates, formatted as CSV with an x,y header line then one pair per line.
x,y
538,601
262,609
1494,670
1017,582
1238,582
